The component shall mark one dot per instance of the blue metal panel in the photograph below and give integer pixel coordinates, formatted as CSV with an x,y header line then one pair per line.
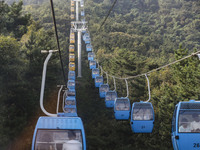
x,y
67,115
122,115
188,141
142,126
59,123
110,104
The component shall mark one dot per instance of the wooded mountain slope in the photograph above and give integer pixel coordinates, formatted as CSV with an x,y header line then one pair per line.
x,y
138,36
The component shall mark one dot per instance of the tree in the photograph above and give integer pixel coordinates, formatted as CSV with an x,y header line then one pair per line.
x,y
13,21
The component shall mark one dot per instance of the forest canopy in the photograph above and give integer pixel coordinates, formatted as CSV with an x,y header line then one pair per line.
x,y
138,36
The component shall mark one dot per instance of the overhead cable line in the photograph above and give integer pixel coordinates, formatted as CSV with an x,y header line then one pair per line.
x,y
144,74
58,44
107,14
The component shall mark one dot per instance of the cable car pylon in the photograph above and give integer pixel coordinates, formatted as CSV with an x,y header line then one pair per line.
x,y
79,27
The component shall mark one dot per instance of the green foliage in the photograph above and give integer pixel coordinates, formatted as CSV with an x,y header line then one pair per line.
x,y
186,75
11,85
21,69
138,36
12,21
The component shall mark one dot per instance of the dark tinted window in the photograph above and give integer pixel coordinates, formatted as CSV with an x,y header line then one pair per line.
x,y
58,140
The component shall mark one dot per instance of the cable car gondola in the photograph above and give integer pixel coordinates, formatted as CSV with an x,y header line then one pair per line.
x,y
82,13
72,9
70,100
186,126
71,48
87,40
95,72
71,75
122,108
72,16
72,3
110,98
56,132
103,89
72,66
70,111
90,56
72,40
72,34
88,47
83,31
82,3
98,81
70,107
71,57
71,84
142,117
92,64
86,35
71,92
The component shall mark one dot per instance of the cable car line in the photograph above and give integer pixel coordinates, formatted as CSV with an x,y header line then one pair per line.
x,y
153,70
57,39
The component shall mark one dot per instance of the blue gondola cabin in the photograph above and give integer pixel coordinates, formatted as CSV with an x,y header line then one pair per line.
x,y
71,75
110,98
142,117
88,47
95,72
122,108
92,64
71,84
186,126
90,56
103,89
98,81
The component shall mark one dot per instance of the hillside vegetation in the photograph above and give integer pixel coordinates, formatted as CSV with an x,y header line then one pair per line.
x,y
138,36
